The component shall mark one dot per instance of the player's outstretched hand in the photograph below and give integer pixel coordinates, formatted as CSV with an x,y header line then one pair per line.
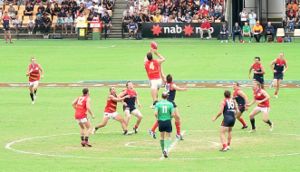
x,y
214,119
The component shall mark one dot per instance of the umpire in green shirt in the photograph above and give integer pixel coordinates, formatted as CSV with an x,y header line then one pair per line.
x,y
164,111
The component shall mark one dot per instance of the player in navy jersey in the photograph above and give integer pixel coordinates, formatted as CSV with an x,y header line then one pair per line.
x,y
241,100
171,88
130,105
279,67
228,108
258,71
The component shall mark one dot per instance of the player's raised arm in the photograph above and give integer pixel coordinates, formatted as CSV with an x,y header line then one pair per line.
x,y
88,107
161,58
219,113
118,99
177,88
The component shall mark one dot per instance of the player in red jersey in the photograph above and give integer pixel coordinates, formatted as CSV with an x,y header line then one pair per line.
x,y
82,106
110,111
129,105
171,89
241,100
153,69
261,97
279,67
35,73
258,71
5,22
228,108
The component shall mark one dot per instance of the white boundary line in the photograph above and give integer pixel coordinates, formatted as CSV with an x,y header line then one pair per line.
x,y
172,146
9,145
71,46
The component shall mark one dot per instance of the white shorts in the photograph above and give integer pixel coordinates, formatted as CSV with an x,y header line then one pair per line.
x,y
262,109
155,83
34,84
111,115
82,120
135,112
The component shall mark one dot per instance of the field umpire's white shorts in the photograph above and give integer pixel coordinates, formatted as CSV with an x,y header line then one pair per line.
x,y
155,83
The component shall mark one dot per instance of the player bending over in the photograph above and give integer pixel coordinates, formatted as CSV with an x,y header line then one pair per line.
x,y
258,71
129,105
81,106
261,97
164,111
153,70
279,67
35,73
241,100
110,111
171,89
229,109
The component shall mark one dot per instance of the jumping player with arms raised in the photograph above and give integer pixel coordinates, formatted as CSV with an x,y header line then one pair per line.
x,y
228,108
82,105
110,111
35,73
153,69
279,67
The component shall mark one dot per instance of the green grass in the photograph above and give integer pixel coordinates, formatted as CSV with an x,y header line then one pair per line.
x,y
72,61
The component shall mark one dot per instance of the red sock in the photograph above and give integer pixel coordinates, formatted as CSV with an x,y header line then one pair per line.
x,y
242,121
228,144
136,126
224,146
177,124
155,125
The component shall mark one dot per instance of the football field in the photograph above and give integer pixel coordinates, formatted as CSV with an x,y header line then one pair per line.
x,y
45,136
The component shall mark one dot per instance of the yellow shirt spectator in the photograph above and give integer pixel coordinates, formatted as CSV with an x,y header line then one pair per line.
x,y
257,28
157,18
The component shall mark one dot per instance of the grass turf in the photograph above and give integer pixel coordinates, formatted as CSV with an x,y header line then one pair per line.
x,y
71,61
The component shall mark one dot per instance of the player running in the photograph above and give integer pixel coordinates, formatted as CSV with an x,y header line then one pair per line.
x,y
279,67
110,111
35,73
153,70
171,89
81,106
164,111
261,97
241,100
5,22
228,108
129,105
258,71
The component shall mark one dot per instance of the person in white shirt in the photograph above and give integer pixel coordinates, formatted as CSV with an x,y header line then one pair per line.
x,y
244,16
165,18
31,25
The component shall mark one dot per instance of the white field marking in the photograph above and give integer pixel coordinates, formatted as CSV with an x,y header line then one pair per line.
x,y
51,85
74,85
9,145
98,85
172,146
215,144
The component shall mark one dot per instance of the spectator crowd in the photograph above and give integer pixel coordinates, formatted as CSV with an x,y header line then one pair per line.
x,y
42,15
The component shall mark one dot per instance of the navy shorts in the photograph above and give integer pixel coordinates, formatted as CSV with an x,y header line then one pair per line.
x,y
259,79
242,108
228,121
6,27
278,76
165,126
